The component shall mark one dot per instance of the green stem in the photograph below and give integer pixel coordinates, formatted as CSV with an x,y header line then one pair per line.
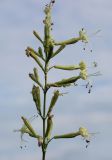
x,y
44,114
43,155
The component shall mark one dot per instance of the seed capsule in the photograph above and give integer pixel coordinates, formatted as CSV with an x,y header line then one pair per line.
x,y
49,127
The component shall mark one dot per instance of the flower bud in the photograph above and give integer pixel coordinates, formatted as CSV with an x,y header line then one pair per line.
x,y
36,97
37,36
49,127
53,101
30,51
40,51
24,129
50,52
35,57
36,74
32,77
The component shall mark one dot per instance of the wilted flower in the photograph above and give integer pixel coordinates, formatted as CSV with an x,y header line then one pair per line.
x,y
40,141
24,129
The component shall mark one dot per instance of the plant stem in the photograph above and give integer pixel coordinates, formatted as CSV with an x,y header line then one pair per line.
x,y
43,155
44,113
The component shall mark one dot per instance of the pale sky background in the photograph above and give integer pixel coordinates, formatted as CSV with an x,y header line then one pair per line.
x,y
18,18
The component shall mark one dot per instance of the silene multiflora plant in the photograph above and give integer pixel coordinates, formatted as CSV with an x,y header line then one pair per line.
x,y
49,50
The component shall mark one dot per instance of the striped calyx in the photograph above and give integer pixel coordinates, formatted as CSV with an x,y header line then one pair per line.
x,y
36,97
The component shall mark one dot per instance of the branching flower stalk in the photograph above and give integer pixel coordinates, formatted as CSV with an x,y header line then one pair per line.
x,y
42,57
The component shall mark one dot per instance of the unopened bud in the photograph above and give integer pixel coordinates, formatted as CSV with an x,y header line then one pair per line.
x,y
49,127
53,101
36,74
36,97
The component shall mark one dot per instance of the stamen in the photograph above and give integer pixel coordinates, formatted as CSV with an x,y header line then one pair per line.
x,y
95,74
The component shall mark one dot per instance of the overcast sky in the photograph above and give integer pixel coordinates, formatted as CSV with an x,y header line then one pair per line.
x,y
77,108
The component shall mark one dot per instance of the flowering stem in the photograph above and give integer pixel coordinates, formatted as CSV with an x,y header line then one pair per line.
x,y
44,113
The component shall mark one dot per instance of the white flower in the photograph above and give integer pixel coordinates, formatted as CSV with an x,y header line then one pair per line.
x,y
82,65
83,36
83,132
83,74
